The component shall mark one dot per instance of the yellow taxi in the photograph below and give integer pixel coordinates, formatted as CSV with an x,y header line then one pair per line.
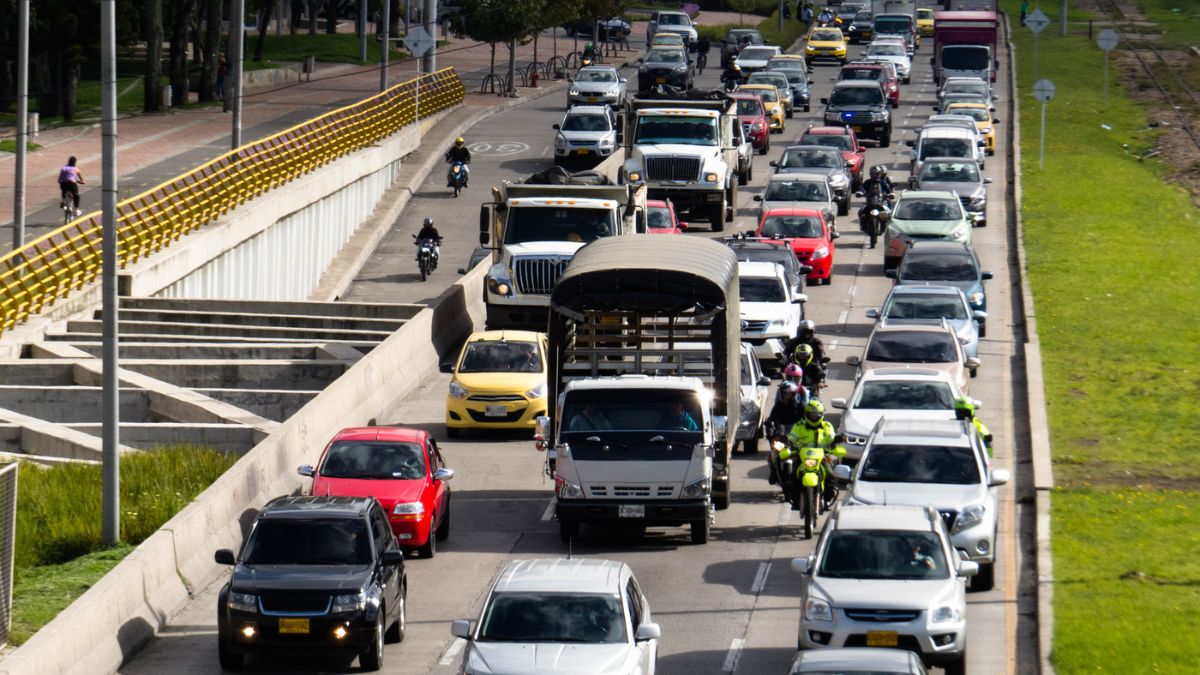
x,y
825,44
665,39
793,60
769,95
925,21
499,382
984,121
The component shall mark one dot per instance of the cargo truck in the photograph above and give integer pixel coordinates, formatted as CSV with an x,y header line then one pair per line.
x,y
964,45
644,382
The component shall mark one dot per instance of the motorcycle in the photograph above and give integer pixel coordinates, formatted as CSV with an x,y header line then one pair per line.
x,y
457,177
731,81
815,496
781,465
874,218
426,256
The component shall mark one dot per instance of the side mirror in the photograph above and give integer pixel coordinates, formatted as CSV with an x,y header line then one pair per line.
x,y
967,568
872,313
995,120
757,198
853,361
461,628
842,473
554,126
462,270
800,299
910,143
443,474
305,470
839,403
979,314
812,81
720,426
985,276
773,163
541,428
647,631
224,556
622,80
805,269
836,235
683,226
891,274
750,233
763,381
999,477
977,403
392,557
824,101
801,565
972,363
987,180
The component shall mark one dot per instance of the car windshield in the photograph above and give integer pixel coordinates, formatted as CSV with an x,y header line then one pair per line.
x,y
308,541
839,141
799,227
904,395
893,24
853,73
883,554
924,13
767,95
939,267
779,80
826,36
951,172
757,53
921,306
757,289
748,107
653,129
805,157
585,123
501,356
547,223
856,96
978,114
780,255
913,347
920,464
668,39
976,87
374,460
739,36
664,56
795,76
596,76
886,50
672,20
552,617
658,218
925,208
795,191
633,425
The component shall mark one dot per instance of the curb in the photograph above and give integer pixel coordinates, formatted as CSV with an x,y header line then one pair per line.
x,y
1039,429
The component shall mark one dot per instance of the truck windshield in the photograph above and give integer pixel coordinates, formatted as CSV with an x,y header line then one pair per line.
x,y
676,130
965,58
893,24
544,223
632,424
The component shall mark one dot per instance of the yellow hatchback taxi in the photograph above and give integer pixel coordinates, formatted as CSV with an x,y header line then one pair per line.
x,y
665,39
925,21
984,122
769,95
825,44
499,382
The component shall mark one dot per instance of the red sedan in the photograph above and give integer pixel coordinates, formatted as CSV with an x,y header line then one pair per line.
x,y
806,231
753,117
844,139
402,468
661,219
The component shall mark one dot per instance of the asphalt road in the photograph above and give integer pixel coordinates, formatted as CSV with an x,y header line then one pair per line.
x,y
730,605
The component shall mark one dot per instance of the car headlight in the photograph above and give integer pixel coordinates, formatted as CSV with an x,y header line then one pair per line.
x,y
855,439
810,48
710,177
816,609
537,392
894,232
457,390
243,602
634,176
560,141
756,127
643,68
969,517
695,490
976,298
349,602
680,68
959,232
979,199
985,130
820,252
572,92
566,489
945,614
409,510
840,179
879,116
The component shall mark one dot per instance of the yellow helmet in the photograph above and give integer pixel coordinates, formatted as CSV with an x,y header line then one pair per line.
x,y
458,141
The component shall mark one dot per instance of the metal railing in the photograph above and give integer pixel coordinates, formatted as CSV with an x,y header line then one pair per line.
x,y
54,265
8,538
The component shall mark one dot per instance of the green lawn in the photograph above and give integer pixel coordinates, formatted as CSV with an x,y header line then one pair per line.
x,y
769,27
340,48
10,146
40,593
1111,247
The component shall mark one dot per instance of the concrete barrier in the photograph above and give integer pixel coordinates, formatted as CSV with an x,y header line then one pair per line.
x,y
133,601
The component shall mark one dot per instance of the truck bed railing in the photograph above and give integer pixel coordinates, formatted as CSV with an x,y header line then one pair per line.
x,y
618,343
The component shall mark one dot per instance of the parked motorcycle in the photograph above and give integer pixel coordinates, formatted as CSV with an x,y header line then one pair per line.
x,y
457,177
427,258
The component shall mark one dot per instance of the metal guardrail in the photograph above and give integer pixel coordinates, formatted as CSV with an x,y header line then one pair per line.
x,y
54,265
8,538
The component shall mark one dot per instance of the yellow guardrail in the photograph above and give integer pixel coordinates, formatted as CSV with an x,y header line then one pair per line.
x,y
52,266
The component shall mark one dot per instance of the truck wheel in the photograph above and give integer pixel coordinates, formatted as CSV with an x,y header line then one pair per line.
x,y
721,494
716,216
700,531
731,200
568,530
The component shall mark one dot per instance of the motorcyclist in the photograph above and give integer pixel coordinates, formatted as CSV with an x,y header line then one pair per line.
x,y
588,56
787,411
807,335
877,189
964,409
793,374
459,153
814,370
732,75
815,431
825,18
428,231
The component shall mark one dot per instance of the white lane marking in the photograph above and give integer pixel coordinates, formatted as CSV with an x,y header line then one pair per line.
x,y
549,512
735,652
760,579
452,651
853,290
843,316
785,514
833,345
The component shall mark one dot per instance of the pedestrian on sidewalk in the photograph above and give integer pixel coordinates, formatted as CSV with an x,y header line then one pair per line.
x,y
1024,10
222,68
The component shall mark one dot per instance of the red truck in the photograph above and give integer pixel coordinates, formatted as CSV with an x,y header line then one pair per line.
x,y
964,45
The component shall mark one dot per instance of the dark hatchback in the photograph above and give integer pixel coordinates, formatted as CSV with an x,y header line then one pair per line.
x,y
316,575
943,263
751,248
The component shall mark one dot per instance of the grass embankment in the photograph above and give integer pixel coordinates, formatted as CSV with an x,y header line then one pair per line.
x,y
59,553
1111,250
768,27
10,146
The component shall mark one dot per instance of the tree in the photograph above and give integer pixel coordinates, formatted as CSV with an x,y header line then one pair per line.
x,y
594,11
181,25
152,16
266,7
212,51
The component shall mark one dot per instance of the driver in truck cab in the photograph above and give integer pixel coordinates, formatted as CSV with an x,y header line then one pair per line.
x,y
591,418
675,417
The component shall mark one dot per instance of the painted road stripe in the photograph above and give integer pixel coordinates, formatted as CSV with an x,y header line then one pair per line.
x,y
843,316
833,345
735,652
760,579
785,514
452,651
549,512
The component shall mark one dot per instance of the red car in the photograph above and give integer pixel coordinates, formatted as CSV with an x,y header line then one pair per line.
x,y
660,218
806,231
844,139
402,468
885,75
753,117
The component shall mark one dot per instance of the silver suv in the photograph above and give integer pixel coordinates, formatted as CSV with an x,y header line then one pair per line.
x,y
886,576
587,133
942,463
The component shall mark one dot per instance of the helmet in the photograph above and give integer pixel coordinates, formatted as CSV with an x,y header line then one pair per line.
x,y
458,141
803,353
964,408
814,410
428,222
807,328
789,388
737,67
874,172
792,370
882,170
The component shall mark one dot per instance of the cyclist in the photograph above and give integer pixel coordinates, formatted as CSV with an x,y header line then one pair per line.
x,y
69,180
702,47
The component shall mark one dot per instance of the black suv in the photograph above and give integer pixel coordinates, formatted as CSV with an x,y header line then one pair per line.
x,y
862,105
731,44
316,574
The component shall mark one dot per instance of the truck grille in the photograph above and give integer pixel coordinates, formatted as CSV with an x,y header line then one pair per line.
x,y
538,275
673,168
883,615
627,491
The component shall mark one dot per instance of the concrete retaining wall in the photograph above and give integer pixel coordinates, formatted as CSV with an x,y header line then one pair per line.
x,y
126,607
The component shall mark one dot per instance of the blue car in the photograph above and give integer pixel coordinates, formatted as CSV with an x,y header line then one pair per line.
x,y
944,263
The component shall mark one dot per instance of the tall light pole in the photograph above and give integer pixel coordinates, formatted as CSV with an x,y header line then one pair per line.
x,y
362,30
22,123
110,435
237,43
384,44
430,17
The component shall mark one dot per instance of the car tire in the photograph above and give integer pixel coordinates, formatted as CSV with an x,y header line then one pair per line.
x,y
828,281
429,550
731,202
568,530
908,80
453,432
396,632
895,104
807,107
885,139
983,329
230,660
750,171
789,114
844,206
958,666
700,531
743,177
443,528
372,659
765,147
985,580
750,445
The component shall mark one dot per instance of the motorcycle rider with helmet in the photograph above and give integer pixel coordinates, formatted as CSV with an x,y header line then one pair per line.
x,y
815,431
787,411
793,374
428,231
878,190
732,76
459,153
807,335
814,370
964,409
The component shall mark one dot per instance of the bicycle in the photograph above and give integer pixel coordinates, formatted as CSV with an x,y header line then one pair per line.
x,y
701,62
67,204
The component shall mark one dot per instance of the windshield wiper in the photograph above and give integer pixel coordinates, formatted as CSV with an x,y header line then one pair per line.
x,y
666,441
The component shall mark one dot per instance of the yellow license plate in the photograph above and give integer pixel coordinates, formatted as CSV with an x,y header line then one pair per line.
x,y
581,151
882,638
293,626
857,130
660,80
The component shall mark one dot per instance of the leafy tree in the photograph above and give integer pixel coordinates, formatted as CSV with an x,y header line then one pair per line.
x,y
181,14
152,17
212,51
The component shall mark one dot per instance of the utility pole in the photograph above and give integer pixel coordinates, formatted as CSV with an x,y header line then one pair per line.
x,y
237,40
22,123
384,45
362,30
429,61
110,411
1062,19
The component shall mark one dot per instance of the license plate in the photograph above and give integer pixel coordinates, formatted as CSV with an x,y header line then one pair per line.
x,y
496,411
882,638
581,151
591,99
660,80
857,130
631,511
293,626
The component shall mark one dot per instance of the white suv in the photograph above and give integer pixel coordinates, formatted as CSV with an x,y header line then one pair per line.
x,y
589,612
943,464
886,576
587,132
771,311
912,393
